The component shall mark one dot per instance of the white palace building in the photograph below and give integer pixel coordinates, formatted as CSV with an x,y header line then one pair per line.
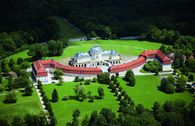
x,y
96,56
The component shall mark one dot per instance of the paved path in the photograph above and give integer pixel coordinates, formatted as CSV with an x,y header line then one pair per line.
x,y
42,102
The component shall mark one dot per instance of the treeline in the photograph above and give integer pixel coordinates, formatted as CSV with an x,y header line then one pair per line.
x,y
27,120
14,42
182,47
14,72
51,48
123,17
169,114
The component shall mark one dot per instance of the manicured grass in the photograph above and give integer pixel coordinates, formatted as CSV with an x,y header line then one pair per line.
x,y
124,47
28,104
146,92
63,109
66,30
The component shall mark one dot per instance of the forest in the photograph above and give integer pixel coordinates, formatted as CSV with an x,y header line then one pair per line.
x,y
123,18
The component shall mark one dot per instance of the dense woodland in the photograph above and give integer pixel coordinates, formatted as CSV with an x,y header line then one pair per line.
x,y
124,17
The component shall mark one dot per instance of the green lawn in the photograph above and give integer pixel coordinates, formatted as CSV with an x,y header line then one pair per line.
x,y
22,54
124,47
63,109
65,29
146,91
29,104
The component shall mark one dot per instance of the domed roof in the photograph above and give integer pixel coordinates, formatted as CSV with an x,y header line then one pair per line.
x,y
80,56
110,52
95,50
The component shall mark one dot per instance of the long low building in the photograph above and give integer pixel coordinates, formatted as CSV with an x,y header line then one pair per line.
x,y
142,59
43,68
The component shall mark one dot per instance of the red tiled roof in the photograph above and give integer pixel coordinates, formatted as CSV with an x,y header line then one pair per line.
x,y
141,60
41,64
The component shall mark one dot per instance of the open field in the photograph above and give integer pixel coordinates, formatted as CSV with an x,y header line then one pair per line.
x,y
65,29
123,47
63,109
29,104
146,91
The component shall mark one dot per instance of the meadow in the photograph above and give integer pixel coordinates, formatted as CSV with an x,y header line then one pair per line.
x,y
63,109
24,105
146,91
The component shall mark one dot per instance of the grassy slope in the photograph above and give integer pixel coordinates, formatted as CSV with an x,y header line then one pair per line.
x,y
66,30
146,92
23,105
22,54
63,109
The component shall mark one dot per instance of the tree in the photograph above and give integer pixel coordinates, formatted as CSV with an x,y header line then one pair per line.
x,y
171,79
140,108
106,33
24,65
19,61
117,74
55,95
181,83
37,51
28,91
76,113
153,66
168,106
55,48
79,92
10,83
10,98
101,92
103,78
17,121
4,122
190,78
1,78
22,82
166,86
129,77
85,121
156,108
58,74
92,34
11,63
129,74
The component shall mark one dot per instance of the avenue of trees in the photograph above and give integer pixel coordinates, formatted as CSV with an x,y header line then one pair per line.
x,y
129,78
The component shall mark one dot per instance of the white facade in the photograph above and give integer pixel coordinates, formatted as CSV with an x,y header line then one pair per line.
x,y
96,57
166,67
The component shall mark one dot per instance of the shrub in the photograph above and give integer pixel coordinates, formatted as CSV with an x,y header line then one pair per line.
x,y
65,98
10,98
87,82
91,99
